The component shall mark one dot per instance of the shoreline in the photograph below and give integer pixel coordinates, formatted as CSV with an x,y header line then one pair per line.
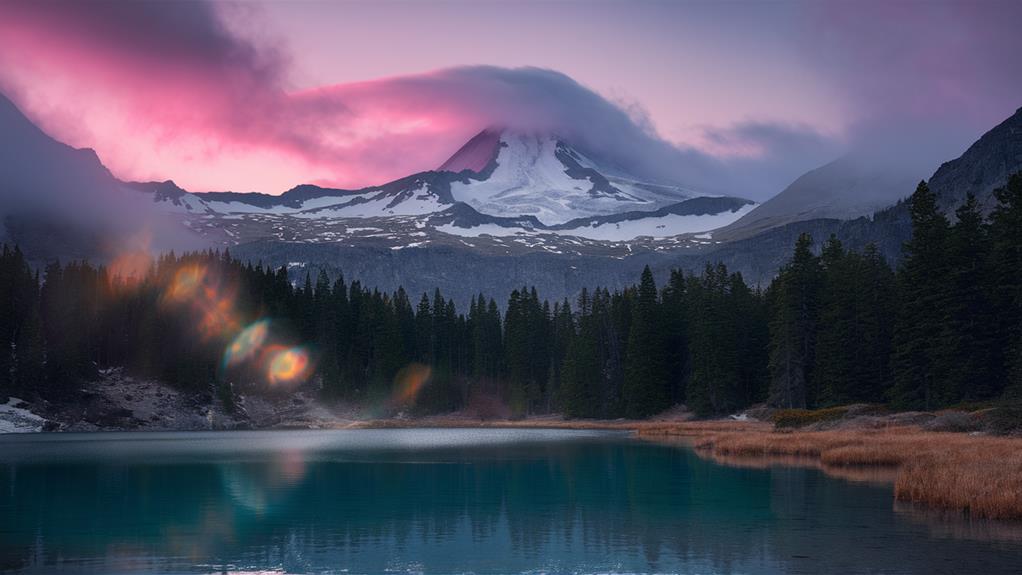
x,y
978,475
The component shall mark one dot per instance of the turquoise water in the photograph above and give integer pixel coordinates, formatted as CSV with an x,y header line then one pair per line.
x,y
452,501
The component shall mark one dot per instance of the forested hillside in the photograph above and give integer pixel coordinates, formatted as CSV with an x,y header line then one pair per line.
x,y
834,328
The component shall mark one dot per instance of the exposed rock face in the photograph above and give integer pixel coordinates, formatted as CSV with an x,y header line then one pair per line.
x,y
476,154
985,166
118,401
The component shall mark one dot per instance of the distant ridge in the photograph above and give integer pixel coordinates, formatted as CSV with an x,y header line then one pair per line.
x,y
985,166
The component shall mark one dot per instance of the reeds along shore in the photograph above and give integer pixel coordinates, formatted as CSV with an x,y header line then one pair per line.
x,y
978,475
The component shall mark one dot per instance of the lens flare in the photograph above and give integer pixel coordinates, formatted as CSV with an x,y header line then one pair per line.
x,y
212,300
186,283
288,365
218,316
130,268
247,343
213,303
130,260
408,383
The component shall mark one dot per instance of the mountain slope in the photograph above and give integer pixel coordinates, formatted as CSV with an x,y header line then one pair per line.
x,y
855,186
847,188
57,201
36,169
986,165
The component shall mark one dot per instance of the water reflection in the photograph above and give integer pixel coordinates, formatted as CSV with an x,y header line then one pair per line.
x,y
952,524
485,501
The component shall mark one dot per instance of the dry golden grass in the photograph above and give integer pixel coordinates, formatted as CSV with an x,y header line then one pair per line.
x,y
983,478
979,475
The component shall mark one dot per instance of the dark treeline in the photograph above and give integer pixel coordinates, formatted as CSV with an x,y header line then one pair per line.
x,y
833,328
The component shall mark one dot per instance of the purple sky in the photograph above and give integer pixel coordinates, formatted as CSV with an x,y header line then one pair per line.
x,y
736,97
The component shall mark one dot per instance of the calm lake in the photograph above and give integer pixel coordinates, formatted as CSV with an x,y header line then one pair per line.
x,y
453,501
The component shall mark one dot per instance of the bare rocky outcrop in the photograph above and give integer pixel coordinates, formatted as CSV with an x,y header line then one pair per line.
x,y
121,402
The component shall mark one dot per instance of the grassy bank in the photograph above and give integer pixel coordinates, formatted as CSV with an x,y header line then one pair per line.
x,y
975,474
980,475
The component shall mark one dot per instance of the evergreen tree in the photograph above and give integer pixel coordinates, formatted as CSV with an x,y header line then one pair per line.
x,y
854,331
30,347
646,369
966,355
748,322
793,328
674,302
835,360
425,346
923,297
581,373
325,317
726,347
8,275
1006,280
713,383
876,304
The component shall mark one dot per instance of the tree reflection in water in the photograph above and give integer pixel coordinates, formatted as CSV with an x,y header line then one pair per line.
x,y
486,501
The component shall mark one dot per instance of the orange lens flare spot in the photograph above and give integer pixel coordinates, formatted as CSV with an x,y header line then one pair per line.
x,y
131,267
409,382
131,260
186,283
218,317
289,366
247,343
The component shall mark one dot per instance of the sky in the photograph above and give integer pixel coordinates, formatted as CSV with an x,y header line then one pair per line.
x,y
730,97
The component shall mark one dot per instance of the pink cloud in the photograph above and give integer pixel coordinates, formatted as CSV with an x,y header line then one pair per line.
x,y
167,90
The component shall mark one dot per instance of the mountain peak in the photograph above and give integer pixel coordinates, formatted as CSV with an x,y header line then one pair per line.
x,y
476,154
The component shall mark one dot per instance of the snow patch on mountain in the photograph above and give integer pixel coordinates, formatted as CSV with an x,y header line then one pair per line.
x,y
418,201
655,226
658,226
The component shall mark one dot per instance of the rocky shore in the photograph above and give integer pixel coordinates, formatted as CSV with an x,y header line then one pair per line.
x,y
119,402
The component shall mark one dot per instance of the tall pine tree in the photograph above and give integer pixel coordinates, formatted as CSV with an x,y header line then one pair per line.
x,y
923,297
793,328
646,368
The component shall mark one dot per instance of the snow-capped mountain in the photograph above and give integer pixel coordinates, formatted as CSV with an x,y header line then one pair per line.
x,y
454,227
542,176
501,193
498,184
